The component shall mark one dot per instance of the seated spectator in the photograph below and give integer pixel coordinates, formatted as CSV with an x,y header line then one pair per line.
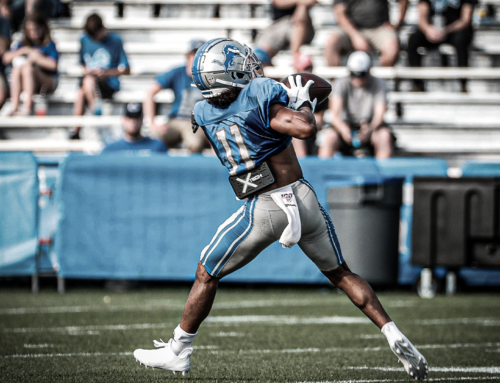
x,y
362,99
308,147
18,9
34,64
178,129
133,141
363,25
104,60
442,22
291,28
4,47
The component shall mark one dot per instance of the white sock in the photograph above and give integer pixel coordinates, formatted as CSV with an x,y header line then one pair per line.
x,y
392,333
182,340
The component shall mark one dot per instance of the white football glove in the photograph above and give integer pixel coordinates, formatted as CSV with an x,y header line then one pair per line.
x,y
298,95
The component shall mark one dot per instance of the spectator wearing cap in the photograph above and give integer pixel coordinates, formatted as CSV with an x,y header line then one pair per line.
x,y
177,131
104,60
303,63
133,141
291,28
357,107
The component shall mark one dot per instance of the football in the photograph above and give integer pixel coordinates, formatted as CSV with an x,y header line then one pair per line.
x,y
321,88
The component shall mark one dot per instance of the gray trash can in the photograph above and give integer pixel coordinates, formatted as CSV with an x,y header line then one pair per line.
x,y
366,214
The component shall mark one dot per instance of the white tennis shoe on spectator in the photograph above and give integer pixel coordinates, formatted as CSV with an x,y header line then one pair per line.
x,y
413,361
163,357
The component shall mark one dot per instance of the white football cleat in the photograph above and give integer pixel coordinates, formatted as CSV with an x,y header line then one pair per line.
x,y
413,361
163,357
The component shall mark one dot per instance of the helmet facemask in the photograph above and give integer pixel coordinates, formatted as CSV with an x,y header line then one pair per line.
x,y
224,64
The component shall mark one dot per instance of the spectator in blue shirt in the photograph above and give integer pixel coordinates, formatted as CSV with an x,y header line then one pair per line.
x,y
104,60
133,141
34,61
178,128
4,47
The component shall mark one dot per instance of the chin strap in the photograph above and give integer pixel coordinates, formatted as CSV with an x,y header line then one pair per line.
x,y
194,124
232,84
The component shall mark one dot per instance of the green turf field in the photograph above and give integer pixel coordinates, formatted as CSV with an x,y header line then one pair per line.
x,y
261,335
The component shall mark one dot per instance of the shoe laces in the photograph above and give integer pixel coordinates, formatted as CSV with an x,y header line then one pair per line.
x,y
161,343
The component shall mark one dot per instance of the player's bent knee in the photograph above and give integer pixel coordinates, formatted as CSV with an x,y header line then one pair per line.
x,y
337,275
203,276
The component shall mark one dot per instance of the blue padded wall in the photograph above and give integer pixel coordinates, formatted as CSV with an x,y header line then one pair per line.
x,y
150,217
18,213
138,217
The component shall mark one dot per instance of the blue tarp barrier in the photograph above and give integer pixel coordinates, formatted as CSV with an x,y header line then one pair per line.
x,y
480,168
150,217
18,213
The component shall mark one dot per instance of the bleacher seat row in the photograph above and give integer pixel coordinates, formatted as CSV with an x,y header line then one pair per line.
x,y
155,34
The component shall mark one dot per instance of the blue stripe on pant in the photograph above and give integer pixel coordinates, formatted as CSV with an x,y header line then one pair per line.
x,y
227,239
329,225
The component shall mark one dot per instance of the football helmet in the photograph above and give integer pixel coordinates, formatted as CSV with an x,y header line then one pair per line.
x,y
221,64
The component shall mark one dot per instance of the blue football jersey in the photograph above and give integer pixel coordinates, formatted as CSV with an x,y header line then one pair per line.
x,y
240,134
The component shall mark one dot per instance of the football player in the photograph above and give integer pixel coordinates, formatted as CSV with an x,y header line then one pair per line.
x,y
250,121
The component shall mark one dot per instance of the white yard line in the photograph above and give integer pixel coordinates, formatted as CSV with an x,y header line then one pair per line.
x,y
62,355
461,379
75,354
45,345
479,370
85,309
400,304
371,336
285,319
224,320
159,304
73,329
459,345
227,334
478,321
345,349
268,303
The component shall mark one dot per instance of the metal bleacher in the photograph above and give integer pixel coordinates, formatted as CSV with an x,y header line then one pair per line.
x,y
440,122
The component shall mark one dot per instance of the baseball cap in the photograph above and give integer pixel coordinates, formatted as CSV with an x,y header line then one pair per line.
x,y
358,63
194,45
302,61
132,110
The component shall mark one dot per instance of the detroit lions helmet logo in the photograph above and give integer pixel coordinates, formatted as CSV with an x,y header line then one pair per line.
x,y
229,52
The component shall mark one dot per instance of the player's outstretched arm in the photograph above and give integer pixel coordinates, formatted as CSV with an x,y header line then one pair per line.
x,y
296,123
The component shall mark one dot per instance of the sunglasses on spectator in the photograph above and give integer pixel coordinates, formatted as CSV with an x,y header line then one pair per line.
x,y
358,74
